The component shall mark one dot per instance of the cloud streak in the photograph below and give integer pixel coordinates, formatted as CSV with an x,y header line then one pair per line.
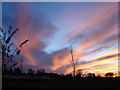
x,y
94,36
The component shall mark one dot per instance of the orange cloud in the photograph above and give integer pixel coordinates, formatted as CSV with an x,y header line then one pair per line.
x,y
88,65
96,39
25,32
104,69
35,29
79,50
111,52
87,32
59,62
99,62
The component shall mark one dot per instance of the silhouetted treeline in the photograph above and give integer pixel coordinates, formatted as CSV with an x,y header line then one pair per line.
x,y
42,74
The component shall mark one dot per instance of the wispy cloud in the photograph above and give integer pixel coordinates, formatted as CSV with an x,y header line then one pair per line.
x,y
94,36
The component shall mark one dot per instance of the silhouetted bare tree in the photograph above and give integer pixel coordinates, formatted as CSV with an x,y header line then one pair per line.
x,y
73,60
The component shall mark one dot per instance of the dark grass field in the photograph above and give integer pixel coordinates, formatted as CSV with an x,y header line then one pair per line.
x,y
69,83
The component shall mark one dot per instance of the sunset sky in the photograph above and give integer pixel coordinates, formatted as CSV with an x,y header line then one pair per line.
x,y
91,27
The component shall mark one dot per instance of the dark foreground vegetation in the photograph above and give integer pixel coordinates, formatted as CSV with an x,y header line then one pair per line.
x,y
85,82
53,80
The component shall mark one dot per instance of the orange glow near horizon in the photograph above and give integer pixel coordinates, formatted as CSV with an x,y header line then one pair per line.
x,y
111,52
92,34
